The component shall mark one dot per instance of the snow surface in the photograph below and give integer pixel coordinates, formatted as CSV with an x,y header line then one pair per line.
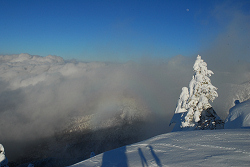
x,y
239,116
227,147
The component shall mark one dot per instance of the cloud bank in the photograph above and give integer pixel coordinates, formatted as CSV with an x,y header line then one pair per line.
x,y
38,94
41,95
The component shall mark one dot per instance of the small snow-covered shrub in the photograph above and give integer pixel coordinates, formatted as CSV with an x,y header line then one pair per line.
x,y
3,158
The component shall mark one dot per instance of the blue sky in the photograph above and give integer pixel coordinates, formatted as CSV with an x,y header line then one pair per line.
x,y
113,30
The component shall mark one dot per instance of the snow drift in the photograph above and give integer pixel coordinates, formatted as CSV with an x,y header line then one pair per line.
x,y
224,147
239,116
192,148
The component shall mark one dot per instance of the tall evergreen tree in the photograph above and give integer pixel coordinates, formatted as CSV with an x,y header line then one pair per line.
x,y
194,103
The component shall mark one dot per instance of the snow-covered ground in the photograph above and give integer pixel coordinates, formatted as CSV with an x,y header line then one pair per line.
x,y
227,147
239,116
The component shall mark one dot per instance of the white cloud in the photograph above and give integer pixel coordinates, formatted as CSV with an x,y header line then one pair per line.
x,y
39,95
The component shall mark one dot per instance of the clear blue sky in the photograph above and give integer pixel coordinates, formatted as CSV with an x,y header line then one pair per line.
x,y
111,30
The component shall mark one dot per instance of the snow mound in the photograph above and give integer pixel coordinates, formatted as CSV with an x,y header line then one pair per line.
x,y
239,116
226,147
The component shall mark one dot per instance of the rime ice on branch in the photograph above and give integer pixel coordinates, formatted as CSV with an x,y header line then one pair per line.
x,y
193,110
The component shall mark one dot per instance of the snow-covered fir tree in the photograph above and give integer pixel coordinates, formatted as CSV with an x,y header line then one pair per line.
x,y
193,110
3,158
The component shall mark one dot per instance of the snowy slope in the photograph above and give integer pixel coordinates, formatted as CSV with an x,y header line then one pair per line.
x,y
239,116
228,147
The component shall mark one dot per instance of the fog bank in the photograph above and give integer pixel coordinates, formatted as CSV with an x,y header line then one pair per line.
x,y
43,95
